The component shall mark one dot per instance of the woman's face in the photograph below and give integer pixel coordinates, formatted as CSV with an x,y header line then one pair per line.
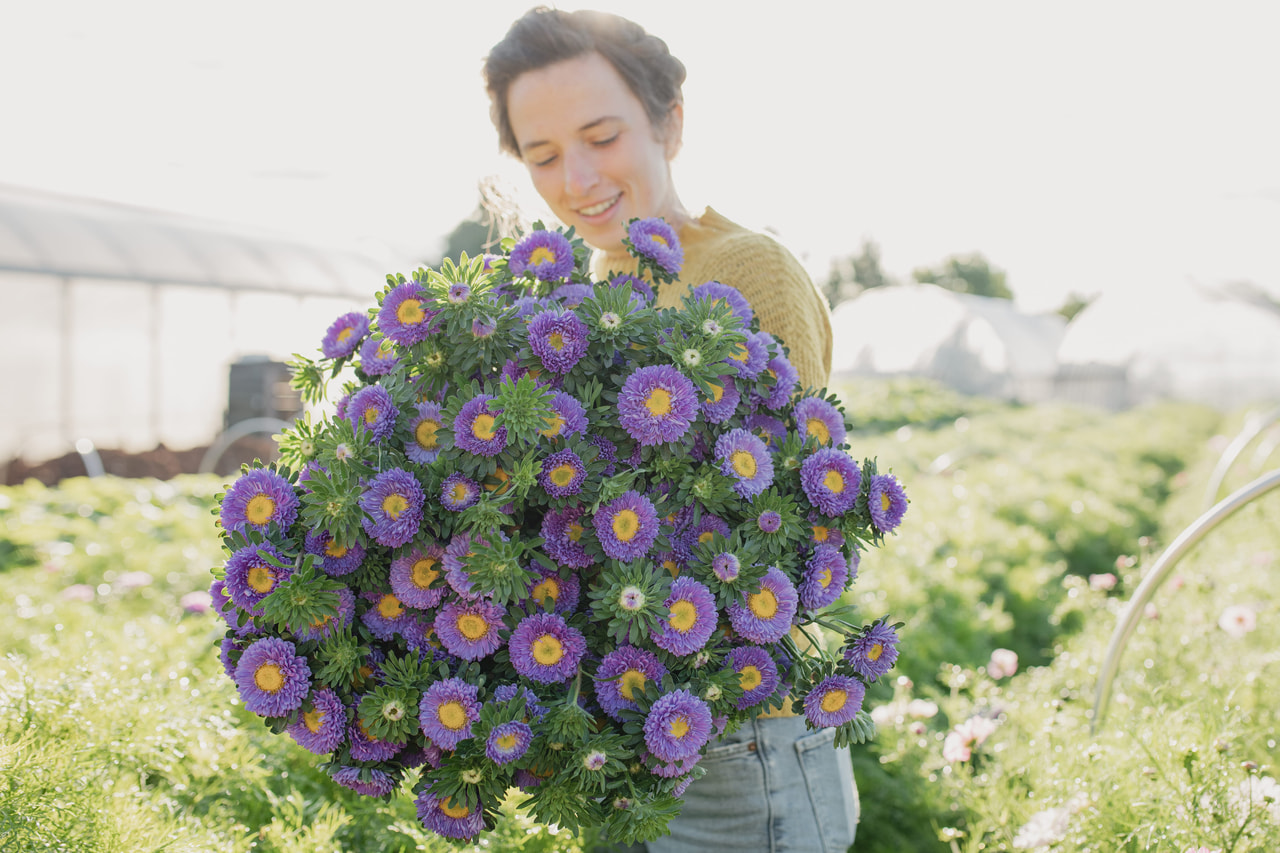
x,y
589,146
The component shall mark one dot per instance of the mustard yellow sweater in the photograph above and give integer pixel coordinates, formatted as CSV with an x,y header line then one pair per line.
x,y
781,293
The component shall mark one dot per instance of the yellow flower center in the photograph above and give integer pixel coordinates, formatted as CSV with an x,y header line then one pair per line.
x,y
741,353
744,464
834,482
260,509
541,255
333,549
626,524
482,427
717,393
554,423
389,607
320,622
393,505
562,475
410,312
873,653
459,492
345,335
658,402
764,604
472,626
547,650
670,566
705,536
631,681
885,503
370,414
312,719
684,615
834,700
659,239
506,742
268,678
816,428
424,572
825,578
556,340
575,532
261,579
452,715
749,677
679,727
820,533
425,434
501,486
548,588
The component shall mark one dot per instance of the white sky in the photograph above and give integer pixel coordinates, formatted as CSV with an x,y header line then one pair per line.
x,y
1083,146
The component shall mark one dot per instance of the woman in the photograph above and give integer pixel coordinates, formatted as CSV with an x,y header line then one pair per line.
x,y
591,104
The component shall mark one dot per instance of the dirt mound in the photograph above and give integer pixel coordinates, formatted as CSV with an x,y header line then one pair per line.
x,y
159,462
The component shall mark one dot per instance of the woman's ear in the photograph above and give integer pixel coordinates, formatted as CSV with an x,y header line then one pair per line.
x,y
673,136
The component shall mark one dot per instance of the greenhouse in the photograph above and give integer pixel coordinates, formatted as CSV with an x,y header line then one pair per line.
x,y
122,324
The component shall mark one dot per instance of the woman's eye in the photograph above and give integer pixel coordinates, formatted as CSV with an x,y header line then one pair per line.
x,y
546,161
601,143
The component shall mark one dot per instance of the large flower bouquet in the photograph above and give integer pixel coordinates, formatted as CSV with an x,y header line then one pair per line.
x,y
553,538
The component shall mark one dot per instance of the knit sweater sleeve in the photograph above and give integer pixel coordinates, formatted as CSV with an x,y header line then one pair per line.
x,y
783,297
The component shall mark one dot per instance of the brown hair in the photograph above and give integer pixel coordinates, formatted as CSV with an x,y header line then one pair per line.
x,y
543,37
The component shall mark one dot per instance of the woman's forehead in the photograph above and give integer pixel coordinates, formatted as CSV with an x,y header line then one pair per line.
x,y
567,97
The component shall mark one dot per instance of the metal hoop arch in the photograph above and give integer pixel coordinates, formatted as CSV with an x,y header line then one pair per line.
x,y
249,426
1253,427
1188,538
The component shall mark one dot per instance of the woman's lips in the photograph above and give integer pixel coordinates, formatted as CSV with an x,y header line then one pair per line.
x,y
600,210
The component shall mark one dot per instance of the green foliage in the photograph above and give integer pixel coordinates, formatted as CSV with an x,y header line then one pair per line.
x,y
970,273
852,274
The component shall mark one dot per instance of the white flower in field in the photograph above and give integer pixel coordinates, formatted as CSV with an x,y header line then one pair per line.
x,y
1238,620
1003,663
134,580
883,715
1257,794
1103,582
960,741
77,592
1044,829
922,709
1203,849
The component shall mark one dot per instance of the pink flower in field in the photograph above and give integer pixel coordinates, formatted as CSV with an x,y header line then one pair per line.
x,y
1043,829
1203,849
1003,663
77,592
1150,611
134,580
917,728
196,601
1238,620
960,742
1103,582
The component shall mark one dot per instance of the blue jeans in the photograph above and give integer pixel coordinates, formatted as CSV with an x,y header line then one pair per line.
x,y
773,786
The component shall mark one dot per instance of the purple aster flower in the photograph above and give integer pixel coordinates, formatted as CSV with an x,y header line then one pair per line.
x,y
372,409
751,356
830,480
458,492
447,710
608,453
568,418
336,560
458,293
730,297
562,474
474,430
874,652
764,616
470,629
322,628
835,701
344,335
757,674
769,521
250,577
572,295
272,679
626,526
415,577
887,502
678,726
745,458
726,566
621,673
527,306
393,506
639,286
825,576
533,709
723,402
672,769
559,339
656,240
456,554
771,430
258,499
690,620
546,649
689,537
657,404
386,615
378,356
786,381
406,314
562,532
424,447
563,591
672,562
817,418
546,255
366,747
379,784
445,817
225,648
483,327
324,726
821,534
508,742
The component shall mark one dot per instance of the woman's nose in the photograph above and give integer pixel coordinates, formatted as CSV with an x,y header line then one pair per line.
x,y
579,173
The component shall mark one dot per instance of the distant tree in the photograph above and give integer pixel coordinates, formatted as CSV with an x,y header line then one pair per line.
x,y
1074,304
853,274
966,274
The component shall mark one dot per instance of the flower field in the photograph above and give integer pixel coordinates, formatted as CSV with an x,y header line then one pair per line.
x,y
1029,529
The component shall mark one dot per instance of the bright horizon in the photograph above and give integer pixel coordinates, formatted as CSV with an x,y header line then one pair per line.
x,y
1087,148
